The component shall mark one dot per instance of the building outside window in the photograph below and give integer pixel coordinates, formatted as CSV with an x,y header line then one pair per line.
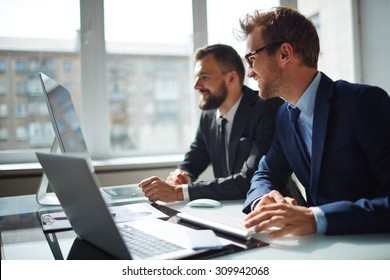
x,y
152,107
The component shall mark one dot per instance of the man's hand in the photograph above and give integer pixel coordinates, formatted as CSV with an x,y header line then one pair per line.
x,y
158,189
274,197
276,211
179,177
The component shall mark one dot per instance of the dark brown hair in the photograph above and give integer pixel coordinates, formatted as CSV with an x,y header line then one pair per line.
x,y
227,58
284,24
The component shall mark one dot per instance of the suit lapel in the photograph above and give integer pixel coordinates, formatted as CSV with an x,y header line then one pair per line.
x,y
320,124
243,113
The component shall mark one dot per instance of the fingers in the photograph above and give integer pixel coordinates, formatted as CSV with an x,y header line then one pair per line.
x,y
275,197
282,218
146,182
183,178
291,200
179,177
155,189
172,177
150,187
264,217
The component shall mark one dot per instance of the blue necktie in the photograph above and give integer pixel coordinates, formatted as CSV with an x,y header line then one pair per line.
x,y
294,115
222,145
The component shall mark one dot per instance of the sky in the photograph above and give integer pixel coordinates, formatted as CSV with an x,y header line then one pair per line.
x,y
39,18
147,21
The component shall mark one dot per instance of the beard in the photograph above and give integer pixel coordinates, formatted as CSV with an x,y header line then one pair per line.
x,y
214,99
271,84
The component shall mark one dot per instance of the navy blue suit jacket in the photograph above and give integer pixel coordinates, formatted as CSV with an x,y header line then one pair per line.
x,y
251,136
349,178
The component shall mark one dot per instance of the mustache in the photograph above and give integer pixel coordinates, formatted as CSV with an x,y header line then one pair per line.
x,y
203,91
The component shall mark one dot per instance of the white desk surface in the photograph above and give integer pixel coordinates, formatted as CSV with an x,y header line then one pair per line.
x,y
315,247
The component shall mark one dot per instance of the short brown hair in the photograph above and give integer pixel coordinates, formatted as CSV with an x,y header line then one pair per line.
x,y
284,24
227,58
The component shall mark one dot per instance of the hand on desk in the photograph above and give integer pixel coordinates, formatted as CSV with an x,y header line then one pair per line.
x,y
157,189
179,177
274,210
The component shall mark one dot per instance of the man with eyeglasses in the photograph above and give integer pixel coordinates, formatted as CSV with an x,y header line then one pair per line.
x,y
334,135
248,132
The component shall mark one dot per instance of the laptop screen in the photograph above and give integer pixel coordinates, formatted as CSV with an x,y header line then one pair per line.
x,y
63,117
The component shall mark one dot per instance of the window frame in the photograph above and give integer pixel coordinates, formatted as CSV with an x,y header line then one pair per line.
x,y
93,79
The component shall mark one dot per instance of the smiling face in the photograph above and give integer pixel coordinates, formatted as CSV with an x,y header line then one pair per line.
x,y
210,83
265,69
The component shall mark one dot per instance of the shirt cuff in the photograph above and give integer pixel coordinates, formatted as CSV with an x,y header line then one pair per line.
x,y
254,203
186,195
320,219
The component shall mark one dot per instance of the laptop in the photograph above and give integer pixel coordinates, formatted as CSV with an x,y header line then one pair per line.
x,y
77,189
69,136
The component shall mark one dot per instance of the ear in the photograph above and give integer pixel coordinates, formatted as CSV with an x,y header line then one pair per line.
x,y
231,77
286,53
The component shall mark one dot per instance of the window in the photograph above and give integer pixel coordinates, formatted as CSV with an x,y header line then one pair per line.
x,y
2,66
3,132
3,88
223,30
39,134
144,69
21,88
42,45
146,105
21,66
67,66
3,110
22,133
21,111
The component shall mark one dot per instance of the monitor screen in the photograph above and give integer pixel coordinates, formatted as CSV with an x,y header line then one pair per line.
x,y
70,140
63,117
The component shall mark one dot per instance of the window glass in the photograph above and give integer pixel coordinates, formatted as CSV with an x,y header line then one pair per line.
x,y
2,65
3,89
149,76
152,108
222,29
42,43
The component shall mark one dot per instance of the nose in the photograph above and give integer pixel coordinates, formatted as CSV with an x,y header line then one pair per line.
x,y
197,84
250,72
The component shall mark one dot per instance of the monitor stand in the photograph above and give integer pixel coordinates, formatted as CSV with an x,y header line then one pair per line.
x,y
42,196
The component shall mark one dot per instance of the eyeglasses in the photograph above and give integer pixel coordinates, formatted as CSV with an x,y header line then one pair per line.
x,y
248,57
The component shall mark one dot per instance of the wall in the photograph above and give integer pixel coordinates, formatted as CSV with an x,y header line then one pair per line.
x,y
354,38
336,36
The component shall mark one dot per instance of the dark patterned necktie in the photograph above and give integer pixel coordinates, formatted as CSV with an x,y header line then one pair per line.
x,y
294,115
222,147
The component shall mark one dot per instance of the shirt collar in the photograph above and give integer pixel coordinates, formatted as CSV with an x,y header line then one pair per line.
x,y
307,100
229,116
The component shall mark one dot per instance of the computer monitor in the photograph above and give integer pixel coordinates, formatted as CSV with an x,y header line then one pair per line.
x,y
68,134
69,139
63,115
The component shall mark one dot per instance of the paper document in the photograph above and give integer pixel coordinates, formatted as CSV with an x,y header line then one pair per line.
x,y
58,221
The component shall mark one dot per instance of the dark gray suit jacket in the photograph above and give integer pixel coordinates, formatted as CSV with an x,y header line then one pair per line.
x,y
251,135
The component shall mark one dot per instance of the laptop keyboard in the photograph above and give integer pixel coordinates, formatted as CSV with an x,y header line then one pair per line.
x,y
145,245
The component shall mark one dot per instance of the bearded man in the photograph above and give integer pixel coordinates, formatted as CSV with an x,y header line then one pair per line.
x,y
235,130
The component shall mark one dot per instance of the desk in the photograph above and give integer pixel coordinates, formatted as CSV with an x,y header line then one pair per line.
x,y
23,238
